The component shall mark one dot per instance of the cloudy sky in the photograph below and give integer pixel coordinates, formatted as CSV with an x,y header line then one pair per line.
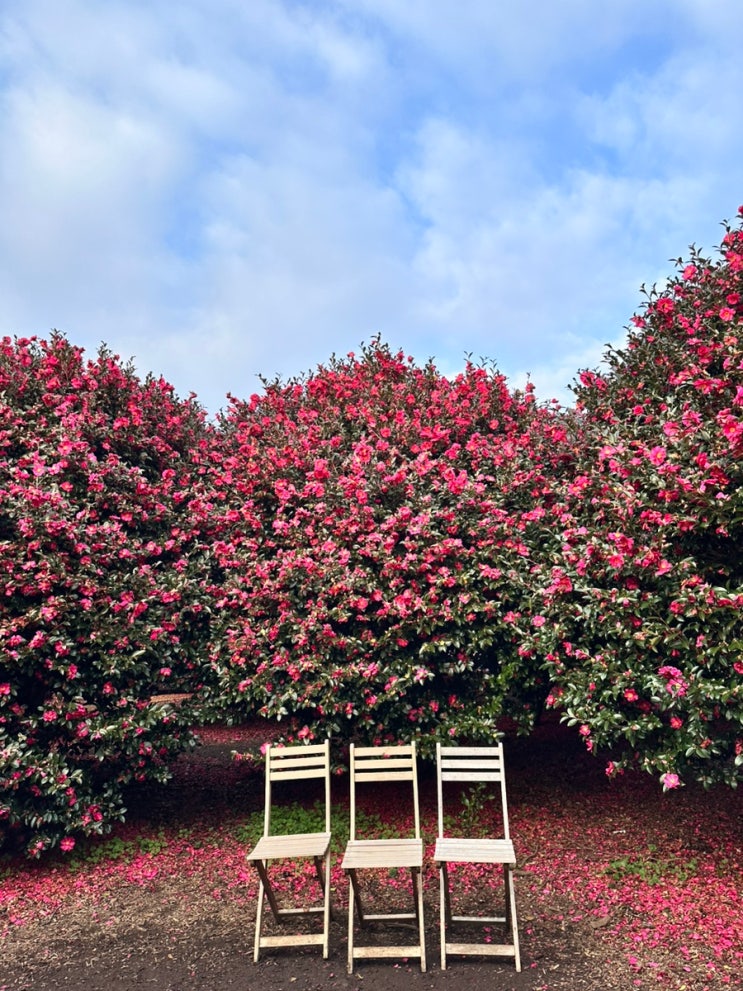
x,y
227,188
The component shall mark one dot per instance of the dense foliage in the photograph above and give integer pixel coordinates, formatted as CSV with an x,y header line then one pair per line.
x,y
373,551
376,529
646,649
98,553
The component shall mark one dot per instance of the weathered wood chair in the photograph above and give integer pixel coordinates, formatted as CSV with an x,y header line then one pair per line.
x,y
475,764
291,764
376,765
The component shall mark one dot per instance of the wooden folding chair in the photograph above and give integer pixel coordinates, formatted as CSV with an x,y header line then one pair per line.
x,y
384,764
291,764
475,764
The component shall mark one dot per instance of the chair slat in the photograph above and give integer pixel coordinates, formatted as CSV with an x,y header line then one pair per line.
x,y
482,763
303,748
382,752
385,776
295,775
385,763
310,761
493,751
481,949
471,775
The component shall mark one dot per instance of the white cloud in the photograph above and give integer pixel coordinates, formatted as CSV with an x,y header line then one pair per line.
x,y
225,189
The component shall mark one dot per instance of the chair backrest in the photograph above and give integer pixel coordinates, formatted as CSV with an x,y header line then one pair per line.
x,y
292,764
471,764
384,764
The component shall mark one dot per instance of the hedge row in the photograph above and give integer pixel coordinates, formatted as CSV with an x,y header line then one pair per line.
x,y
373,551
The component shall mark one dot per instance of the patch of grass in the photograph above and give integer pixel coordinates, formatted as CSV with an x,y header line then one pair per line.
x,y
298,818
372,825
291,818
152,844
111,849
474,817
115,849
651,867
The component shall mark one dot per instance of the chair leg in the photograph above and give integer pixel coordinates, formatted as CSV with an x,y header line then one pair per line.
x,y
326,910
354,886
444,910
350,927
511,915
266,886
507,897
258,924
322,870
418,891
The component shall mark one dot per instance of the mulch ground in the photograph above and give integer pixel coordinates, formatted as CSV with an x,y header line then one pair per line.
x,y
177,934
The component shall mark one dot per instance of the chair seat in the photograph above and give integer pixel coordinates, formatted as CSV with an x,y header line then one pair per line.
x,y
383,853
452,850
292,845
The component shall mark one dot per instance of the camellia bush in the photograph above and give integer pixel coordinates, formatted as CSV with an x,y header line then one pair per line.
x,y
644,642
100,604
373,551
376,523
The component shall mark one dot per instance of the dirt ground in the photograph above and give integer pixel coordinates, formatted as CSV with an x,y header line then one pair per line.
x,y
167,947
177,938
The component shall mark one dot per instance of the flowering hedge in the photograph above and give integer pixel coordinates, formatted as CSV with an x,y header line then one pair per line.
x,y
645,645
99,607
376,530
373,551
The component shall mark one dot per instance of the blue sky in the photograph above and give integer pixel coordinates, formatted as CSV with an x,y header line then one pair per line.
x,y
227,188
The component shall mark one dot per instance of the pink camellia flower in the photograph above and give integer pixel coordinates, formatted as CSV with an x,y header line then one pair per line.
x,y
670,781
631,695
675,683
676,723
538,621
657,455
67,844
5,688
